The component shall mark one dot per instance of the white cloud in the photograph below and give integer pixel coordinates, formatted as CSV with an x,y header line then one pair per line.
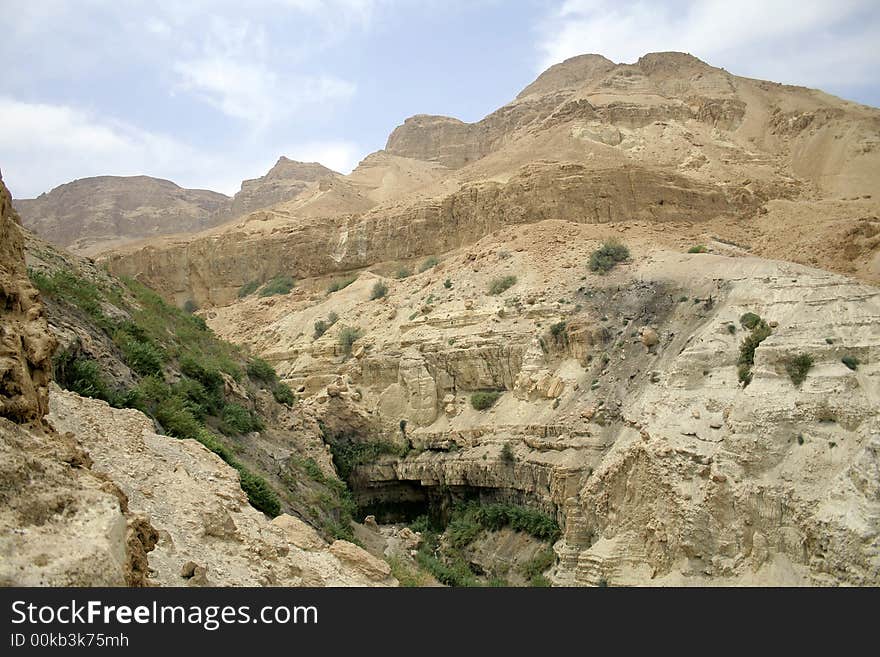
x,y
341,156
235,71
812,42
44,145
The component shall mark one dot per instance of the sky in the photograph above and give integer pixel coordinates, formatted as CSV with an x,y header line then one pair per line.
x,y
209,92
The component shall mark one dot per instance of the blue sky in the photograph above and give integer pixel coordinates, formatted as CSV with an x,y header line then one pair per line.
x,y
208,92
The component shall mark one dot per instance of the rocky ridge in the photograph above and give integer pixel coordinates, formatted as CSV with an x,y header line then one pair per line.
x,y
667,138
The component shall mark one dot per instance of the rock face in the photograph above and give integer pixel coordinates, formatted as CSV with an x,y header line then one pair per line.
x,y
60,523
89,214
208,534
25,343
620,413
667,139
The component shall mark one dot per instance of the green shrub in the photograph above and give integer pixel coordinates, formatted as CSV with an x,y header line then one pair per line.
x,y
282,284
237,419
519,518
749,320
199,400
850,361
797,367
142,356
760,332
557,330
260,370
202,372
480,401
603,259
248,289
447,283
462,530
428,264
500,285
533,570
348,335
84,377
283,394
455,574
379,290
340,284
699,248
403,272
259,494
507,453
177,420
347,456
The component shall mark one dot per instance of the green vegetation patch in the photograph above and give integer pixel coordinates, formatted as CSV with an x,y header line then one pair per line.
x,y
348,335
282,284
500,285
379,290
851,362
606,257
340,284
797,368
248,289
760,332
480,401
349,455
429,263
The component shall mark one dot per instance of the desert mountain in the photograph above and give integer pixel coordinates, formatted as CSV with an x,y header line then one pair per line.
x,y
284,181
89,214
669,139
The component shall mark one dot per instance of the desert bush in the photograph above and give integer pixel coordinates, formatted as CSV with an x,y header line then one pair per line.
x,y
447,283
85,377
348,455
282,284
142,356
797,367
348,335
260,370
603,259
480,401
259,494
850,361
248,289
283,394
403,272
340,284
499,285
760,332
519,518
699,248
428,264
749,320
507,453
379,290
237,419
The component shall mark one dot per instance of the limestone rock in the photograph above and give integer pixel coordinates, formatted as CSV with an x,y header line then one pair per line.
x,y
298,532
362,561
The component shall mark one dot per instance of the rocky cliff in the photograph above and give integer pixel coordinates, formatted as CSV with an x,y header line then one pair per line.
x,y
620,402
26,346
61,524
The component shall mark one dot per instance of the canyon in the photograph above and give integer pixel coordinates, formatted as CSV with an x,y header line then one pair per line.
x,y
491,400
